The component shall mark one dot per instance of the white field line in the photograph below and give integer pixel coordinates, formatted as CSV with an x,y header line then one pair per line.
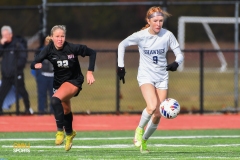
x,y
130,146
122,138
127,145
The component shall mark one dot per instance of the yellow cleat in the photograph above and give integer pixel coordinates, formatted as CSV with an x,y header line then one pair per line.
x,y
143,148
138,137
59,137
69,138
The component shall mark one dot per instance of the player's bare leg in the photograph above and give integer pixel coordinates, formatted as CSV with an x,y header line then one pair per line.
x,y
148,92
65,93
155,119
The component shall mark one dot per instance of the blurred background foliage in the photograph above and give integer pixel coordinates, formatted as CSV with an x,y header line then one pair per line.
x,y
112,22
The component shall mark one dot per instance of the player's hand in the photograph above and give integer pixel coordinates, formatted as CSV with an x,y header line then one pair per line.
x,y
38,65
3,41
90,77
172,67
121,73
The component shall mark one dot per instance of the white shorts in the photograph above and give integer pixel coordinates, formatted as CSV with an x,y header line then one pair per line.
x,y
158,85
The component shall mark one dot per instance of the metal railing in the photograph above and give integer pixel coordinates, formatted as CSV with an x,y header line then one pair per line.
x,y
201,87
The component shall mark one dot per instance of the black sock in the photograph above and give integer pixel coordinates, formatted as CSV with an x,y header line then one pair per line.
x,y
58,112
68,118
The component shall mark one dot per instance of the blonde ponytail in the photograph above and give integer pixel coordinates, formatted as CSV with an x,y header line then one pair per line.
x,y
47,40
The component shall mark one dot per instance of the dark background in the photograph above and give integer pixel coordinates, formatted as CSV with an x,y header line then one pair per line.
x,y
112,22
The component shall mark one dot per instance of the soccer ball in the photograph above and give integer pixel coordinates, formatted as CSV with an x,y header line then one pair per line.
x,y
169,108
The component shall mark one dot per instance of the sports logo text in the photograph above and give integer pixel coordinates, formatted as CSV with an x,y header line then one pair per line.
x,y
158,51
21,147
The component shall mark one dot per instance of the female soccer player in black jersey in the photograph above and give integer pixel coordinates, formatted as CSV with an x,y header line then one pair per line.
x,y
68,78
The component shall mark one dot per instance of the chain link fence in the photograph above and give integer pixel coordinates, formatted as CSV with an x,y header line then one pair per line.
x,y
215,86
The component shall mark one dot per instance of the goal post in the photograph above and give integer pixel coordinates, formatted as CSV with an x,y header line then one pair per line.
x,y
205,21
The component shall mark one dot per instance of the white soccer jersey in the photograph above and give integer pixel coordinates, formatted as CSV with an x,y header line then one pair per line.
x,y
152,49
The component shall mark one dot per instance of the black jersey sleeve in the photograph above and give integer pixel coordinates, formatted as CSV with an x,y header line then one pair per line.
x,y
39,57
92,58
83,50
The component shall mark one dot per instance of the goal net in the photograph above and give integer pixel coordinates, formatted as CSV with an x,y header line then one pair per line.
x,y
205,21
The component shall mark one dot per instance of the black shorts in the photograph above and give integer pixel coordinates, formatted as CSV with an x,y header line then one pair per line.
x,y
76,82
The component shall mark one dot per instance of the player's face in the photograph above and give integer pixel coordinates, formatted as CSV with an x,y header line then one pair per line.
x,y
156,24
58,38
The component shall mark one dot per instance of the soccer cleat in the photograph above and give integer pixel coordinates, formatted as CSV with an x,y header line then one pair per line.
x,y
59,137
143,148
69,138
138,137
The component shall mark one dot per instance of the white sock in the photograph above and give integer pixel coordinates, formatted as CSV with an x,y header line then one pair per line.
x,y
144,119
151,127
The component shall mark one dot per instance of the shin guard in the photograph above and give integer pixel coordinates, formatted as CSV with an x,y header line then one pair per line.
x,y
68,118
58,112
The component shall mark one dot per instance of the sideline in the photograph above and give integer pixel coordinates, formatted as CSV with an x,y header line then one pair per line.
x,y
117,122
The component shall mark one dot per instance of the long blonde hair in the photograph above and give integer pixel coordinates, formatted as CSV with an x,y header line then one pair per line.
x,y
151,11
62,27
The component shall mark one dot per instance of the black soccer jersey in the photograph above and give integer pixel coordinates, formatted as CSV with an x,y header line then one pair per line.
x,y
65,62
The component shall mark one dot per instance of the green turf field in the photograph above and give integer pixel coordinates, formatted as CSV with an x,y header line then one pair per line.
x,y
165,145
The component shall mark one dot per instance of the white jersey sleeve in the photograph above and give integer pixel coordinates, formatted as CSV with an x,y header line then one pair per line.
x,y
129,41
176,49
179,56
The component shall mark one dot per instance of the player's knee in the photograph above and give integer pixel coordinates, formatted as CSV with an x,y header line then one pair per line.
x,y
56,105
151,109
55,101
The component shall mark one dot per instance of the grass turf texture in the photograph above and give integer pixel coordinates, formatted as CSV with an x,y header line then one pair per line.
x,y
180,145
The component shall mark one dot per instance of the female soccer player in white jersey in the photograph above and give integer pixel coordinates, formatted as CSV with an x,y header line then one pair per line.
x,y
153,42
